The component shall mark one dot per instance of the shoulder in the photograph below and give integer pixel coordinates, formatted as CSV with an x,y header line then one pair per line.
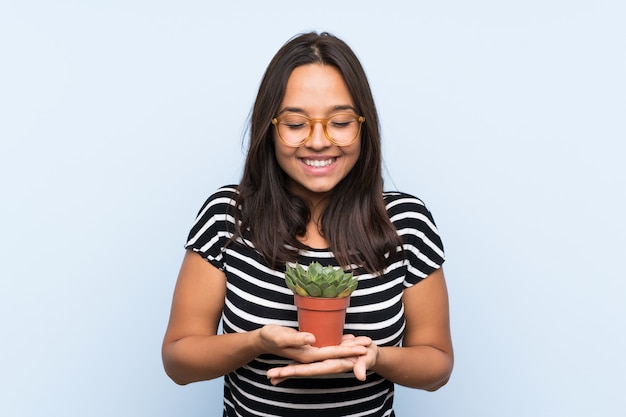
x,y
223,194
416,227
214,225
215,217
398,202
220,199
219,205
407,211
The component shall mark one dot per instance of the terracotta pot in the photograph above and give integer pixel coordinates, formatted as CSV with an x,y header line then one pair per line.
x,y
324,317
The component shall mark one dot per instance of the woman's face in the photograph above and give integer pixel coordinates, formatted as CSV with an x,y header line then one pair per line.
x,y
315,168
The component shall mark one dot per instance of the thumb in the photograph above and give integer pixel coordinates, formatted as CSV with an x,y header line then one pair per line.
x,y
308,338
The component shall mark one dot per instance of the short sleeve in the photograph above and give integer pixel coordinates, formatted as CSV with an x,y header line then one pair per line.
x,y
422,246
214,226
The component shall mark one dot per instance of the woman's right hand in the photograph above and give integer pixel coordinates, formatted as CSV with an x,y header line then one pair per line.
x,y
289,343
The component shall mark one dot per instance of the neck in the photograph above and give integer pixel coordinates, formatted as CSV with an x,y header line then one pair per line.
x,y
316,202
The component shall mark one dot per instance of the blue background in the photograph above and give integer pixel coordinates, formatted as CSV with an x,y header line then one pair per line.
x,y
118,118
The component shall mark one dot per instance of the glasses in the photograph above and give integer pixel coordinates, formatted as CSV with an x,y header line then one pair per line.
x,y
295,130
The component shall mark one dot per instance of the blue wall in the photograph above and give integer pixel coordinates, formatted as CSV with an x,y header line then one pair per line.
x,y
118,118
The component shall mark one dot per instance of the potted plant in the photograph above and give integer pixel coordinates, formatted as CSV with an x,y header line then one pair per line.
x,y
322,295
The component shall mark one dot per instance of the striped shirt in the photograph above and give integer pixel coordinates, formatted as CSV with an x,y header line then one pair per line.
x,y
257,295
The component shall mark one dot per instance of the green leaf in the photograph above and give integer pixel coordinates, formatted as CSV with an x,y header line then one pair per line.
x,y
329,292
300,291
314,290
341,287
301,272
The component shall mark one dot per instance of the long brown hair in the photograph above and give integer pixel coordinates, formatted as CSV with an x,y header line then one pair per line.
x,y
355,221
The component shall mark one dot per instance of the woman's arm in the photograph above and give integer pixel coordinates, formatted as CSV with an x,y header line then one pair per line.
x,y
193,351
190,350
425,359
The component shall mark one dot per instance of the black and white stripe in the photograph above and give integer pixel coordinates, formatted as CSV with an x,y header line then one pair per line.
x,y
257,295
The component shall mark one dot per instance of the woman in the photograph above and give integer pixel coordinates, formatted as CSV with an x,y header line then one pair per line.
x,y
311,190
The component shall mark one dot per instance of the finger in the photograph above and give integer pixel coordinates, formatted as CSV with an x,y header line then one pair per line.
x,y
363,341
276,381
298,339
351,340
285,337
360,369
312,369
306,338
341,351
310,354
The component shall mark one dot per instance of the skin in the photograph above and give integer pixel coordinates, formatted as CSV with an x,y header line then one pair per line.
x,y
194,351
316,91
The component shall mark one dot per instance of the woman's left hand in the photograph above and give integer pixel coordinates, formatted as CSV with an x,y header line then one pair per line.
x,y
332,365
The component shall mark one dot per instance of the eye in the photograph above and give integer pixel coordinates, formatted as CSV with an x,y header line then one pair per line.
x,y
342,121
295,123
295,126
340,124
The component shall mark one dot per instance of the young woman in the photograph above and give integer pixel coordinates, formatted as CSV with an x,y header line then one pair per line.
x,y
311,190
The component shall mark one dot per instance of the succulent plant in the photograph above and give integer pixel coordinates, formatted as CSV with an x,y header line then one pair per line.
x,y
320,281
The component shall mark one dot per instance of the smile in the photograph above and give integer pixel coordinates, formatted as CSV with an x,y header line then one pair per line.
x,y
317,163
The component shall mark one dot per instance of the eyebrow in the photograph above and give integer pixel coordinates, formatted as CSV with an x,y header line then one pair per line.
x,y
332,109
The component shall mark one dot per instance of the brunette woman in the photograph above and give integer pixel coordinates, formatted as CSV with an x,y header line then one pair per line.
x,y
311,190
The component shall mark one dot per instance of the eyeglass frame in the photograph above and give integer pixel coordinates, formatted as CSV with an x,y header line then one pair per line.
x,y
324,121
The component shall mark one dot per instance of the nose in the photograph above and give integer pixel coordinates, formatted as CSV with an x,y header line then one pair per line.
x,y
318,139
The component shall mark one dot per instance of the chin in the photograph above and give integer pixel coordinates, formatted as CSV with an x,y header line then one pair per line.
x,y
321,189
313,191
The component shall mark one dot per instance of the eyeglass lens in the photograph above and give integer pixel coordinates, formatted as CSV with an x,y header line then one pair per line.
x,y
340,128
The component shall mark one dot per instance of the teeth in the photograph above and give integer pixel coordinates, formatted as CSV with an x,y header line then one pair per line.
x,y
317,163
